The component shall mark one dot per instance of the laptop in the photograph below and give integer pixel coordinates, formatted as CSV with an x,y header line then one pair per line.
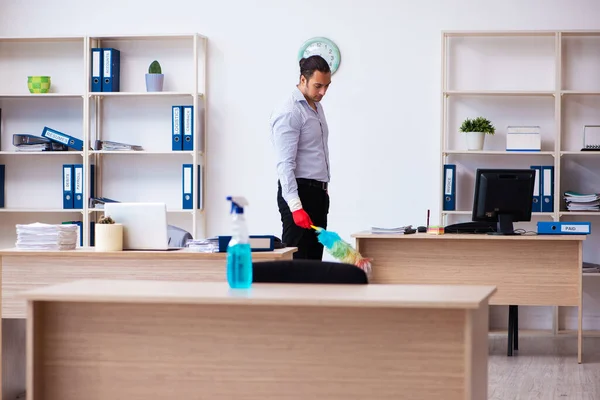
x,y
144,225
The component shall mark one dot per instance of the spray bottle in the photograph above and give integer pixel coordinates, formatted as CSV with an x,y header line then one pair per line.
x,y
239,256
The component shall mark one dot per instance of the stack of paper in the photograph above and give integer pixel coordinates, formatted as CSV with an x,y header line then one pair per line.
x,y
116,146
39,236
582,202
204,245
400,229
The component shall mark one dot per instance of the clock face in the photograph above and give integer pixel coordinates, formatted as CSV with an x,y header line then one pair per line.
x,y
323,47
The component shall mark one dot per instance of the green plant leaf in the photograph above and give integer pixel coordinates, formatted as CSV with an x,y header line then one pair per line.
x,y
155,68
479,124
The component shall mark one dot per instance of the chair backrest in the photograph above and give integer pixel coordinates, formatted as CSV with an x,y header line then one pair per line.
x,y
307,271
178,237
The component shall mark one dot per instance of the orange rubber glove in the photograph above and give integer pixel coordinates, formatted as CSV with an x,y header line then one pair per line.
x,y
302,219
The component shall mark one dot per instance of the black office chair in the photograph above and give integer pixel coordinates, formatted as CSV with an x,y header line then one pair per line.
x,y
307,271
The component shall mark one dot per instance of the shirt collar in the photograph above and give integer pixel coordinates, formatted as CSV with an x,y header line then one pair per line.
x,y
298,96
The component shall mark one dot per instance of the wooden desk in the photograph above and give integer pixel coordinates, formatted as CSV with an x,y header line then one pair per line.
x,y
26,269
143,339
527,270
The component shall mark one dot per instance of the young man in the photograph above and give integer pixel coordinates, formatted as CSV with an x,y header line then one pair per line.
x,y
299,134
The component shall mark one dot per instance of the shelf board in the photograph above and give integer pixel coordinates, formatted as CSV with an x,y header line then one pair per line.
x,y
540,214
40,210
499,152
138,94
499,93
42,39
142,152
38,95
580,153
580,213
499,33
172,210
175,36
580,92
41,153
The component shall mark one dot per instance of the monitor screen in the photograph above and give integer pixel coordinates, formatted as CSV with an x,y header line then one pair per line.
x,y
503,196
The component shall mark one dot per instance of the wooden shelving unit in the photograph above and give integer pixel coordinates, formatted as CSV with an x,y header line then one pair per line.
x,y
33,184
545,78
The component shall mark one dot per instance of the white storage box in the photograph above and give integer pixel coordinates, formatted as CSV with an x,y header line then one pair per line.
x,y
523,138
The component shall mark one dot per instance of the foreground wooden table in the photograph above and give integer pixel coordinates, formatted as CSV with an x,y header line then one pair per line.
x,y
24,270
544,270
189,340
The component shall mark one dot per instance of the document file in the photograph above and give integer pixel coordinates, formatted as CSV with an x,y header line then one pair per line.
x,y
187,187
200,188
60,137
2,184
547,188
449,187
564,228
78,186
188,128
111,70
96,84
68,186
537,198
176,128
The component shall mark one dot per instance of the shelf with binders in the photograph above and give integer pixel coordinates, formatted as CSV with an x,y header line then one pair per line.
x,y
156,179
180,57
24,116
464,170
60,58
148,123
35,188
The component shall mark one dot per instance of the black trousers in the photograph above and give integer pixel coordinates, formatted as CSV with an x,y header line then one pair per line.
x,y
315,202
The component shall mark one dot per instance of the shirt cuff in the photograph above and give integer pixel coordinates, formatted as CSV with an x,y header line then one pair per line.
x,y
295,204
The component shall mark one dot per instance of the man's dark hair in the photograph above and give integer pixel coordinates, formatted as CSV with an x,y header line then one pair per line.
x,y
309,65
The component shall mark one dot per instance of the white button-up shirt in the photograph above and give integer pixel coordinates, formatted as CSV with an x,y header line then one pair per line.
x,y
299,135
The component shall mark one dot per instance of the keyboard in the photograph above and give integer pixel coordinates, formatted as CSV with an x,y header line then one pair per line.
x,y
471,227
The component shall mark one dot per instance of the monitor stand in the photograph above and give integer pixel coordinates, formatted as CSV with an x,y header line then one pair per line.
x,y
505,226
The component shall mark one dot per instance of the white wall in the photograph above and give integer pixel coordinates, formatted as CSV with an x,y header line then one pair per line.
x,y
383,105
382,108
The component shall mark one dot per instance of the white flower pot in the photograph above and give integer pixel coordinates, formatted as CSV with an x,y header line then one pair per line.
x,y
154,82
475,140
109,237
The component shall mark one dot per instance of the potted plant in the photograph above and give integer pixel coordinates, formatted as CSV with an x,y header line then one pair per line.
x,y
109,235
154,77
475,131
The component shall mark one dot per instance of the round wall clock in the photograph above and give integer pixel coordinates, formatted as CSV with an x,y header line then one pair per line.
x,y
323,47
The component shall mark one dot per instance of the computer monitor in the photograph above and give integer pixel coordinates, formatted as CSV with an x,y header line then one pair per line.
x,y
503,196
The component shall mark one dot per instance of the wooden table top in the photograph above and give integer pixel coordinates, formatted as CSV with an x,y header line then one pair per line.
x,y
141,254
319,295
464,236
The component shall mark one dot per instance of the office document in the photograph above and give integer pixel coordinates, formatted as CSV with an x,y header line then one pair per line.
x,y
449,187
187,187
176,128
2,184
68,186
96,66
60,137
188,128
111,70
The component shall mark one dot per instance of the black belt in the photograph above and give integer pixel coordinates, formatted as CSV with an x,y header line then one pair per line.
x,y
312,182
